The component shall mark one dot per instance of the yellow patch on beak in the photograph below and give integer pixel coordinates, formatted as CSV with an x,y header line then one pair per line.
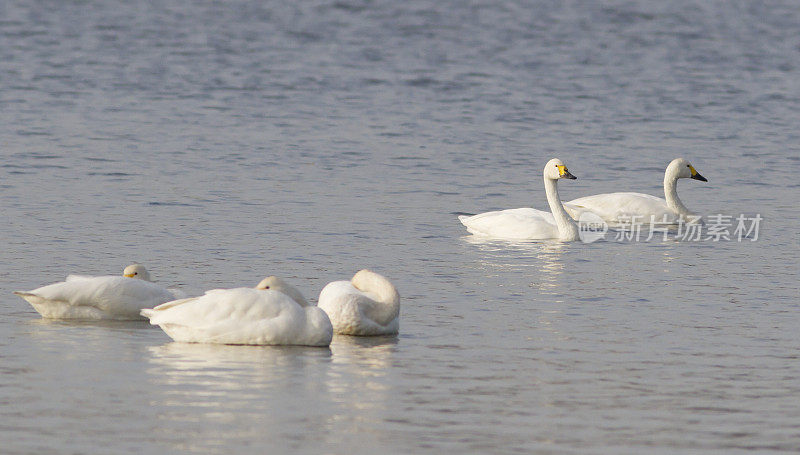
x,y
130,275
561,170
691,168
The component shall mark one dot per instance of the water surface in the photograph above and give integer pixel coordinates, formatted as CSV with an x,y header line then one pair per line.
x,y
218,143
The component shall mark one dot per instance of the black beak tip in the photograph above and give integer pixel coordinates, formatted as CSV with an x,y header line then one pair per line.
x,y
699,177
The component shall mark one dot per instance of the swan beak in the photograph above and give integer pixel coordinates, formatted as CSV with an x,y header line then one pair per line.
x,y
696,175
564,173
130,275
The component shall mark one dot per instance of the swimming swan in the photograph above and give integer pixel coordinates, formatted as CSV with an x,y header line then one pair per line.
x,y
367,305
274,313
622,207
99,297
527,223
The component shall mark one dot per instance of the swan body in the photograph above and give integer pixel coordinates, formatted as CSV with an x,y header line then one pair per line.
x,y
270,314
367,305
99,297
528,223
623,208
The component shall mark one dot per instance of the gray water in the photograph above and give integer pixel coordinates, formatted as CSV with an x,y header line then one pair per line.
x,y
220,142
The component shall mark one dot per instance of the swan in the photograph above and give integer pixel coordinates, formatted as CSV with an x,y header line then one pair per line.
x,y
622,207
367,305
99,297
272,313
527,223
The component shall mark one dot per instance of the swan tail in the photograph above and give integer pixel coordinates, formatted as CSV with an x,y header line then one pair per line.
x,y
29,296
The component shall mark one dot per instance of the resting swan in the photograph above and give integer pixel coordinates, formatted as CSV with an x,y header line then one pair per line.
x,y
622,207
528,223
274,313
99,297
367,305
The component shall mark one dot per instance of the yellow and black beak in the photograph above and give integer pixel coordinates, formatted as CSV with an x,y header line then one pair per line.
x,y
564,173
129,275
696,175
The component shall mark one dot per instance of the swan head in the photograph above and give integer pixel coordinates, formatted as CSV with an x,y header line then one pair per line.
x,y
682,169
273,283
555,169
136,271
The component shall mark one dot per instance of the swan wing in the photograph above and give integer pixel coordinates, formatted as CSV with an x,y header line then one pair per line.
x,y
621,207
242,316
214,307
512,224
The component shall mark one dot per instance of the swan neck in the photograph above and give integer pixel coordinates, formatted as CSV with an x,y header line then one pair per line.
x,y
671,194
567,229
382,288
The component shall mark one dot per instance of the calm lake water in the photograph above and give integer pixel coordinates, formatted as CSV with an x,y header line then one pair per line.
x,y
220,142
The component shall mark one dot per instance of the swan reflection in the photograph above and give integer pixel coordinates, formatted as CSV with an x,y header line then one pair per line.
x,y
361,377
247,392
545,258
177,363
540,264
232,393
85,336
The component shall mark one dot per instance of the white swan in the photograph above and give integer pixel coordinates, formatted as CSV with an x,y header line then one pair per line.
x,y
622,207
367,305
99,297
274,313
528,223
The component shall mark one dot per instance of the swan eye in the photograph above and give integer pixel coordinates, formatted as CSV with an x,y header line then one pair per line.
x,y
266,287
135,273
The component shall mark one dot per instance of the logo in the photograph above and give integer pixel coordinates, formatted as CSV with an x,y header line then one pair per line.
x,y
591,227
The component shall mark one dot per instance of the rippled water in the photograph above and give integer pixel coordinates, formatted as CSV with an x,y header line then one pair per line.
x,y
221,142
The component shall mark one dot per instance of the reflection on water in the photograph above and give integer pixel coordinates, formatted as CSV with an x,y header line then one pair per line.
x,y
229,388
339,135
360,382
109,324
236,390
84,337
544,258
181,355
187,371
368,359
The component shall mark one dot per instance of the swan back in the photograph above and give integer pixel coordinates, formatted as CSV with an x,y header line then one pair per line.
x,y
512,224
277,284
136,271
243,316
374,284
